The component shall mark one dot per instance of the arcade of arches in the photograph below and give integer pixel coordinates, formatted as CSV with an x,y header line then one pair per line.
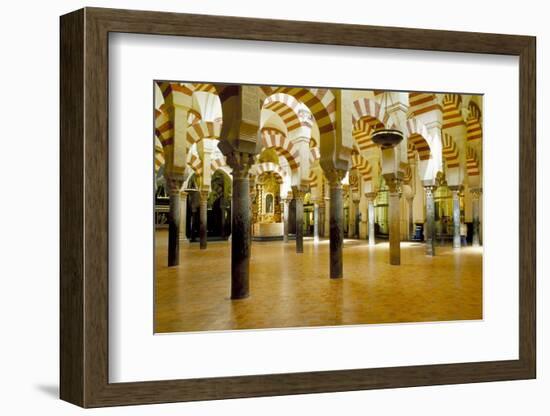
x,y
279,206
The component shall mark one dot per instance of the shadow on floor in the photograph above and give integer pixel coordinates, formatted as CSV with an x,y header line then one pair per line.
x,y
49,390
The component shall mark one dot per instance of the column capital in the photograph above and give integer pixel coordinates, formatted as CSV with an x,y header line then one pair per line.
x,y
240,163
476,192
456,188
371,196
334,177
203,195
429,189
394,182
173,183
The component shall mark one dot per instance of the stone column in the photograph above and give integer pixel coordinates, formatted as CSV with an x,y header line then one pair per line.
x,y
253,193
476,194
411,217
456,216
321,218
336,228
356,218
429,228
240,162
370,201
183,216
174,187
286,203
316,221
394,218
326,225
203,217
299,198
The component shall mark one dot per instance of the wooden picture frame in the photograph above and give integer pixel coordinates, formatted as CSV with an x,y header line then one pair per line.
x,y
84,207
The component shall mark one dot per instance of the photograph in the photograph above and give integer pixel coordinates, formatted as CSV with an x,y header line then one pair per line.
x,y
297,206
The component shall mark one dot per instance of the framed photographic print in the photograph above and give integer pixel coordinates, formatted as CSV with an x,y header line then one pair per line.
x,y
255,207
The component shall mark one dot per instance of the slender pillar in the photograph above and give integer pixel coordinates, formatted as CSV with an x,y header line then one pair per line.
x,y
411,218
174,222
321,218
336,229
476,193
370,200
456,216
394,217
203,217
240,162
183,216
356,213
315,221
253,193
299,197
429,228
326,225
286,211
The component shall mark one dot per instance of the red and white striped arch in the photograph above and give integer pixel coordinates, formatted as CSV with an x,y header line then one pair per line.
x,y
194,162
473,123
367,117
450,151
417,135
452,115
261,168
164,129
203,130
287,107
472,164
313,180
362,165
314,155
275,139
320,101
221,164
421,103
407,174
159,154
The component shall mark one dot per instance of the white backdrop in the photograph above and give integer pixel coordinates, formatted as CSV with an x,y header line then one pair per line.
x,y
29,217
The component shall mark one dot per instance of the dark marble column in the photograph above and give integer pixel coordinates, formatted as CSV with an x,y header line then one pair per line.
x,y
429,228
315,221
286,212
326,225
299,197
336,229
411,217
183,216
240,225
203,216
356,213
174,187
394,218
476,194
456,216
322,218
370,200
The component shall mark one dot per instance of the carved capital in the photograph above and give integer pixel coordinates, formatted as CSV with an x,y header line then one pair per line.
x,y
173,184
394,182
371,196
334,177
430,189
203,196
240,163
476,193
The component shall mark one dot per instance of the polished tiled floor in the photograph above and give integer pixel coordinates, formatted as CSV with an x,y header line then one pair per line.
x,y
293,290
